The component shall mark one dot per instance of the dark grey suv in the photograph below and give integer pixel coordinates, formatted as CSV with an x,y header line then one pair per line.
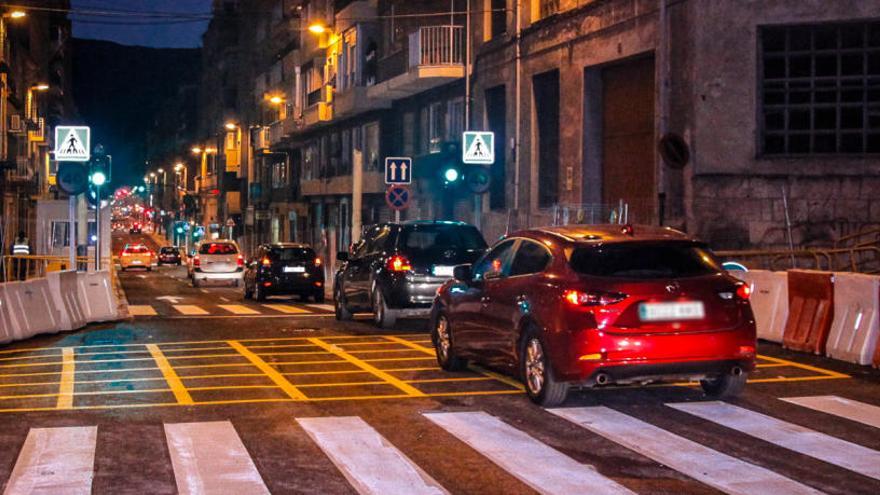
x,y
395,270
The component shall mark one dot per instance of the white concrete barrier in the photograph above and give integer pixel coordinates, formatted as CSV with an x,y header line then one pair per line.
x,y
856,327
97,294
9,327
37,312
769,301
67,299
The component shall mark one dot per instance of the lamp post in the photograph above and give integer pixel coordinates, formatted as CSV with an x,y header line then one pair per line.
x,y
98,179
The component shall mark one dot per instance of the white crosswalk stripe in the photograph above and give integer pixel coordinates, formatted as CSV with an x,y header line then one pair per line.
x,y
838,406
369,462
238,309
721,471
190,309
541,467
286,308
55,460
231,310
322,307
790,436
209,458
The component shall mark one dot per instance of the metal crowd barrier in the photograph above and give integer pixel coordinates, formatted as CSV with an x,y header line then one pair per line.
x,y
26,267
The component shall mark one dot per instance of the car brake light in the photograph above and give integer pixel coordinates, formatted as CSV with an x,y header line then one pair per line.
x,y
240,260
266,262
398,263
592,298
197,262
744,291
318,261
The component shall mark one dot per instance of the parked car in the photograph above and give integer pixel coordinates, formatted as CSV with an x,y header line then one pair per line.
x,y
169,255
217,261
586,306
284,268
136,256
396,269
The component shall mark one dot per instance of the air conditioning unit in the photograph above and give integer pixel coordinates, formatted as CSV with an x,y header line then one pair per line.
x,y
38,130
16,124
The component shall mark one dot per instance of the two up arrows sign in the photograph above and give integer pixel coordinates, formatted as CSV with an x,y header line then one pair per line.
x,y
398,170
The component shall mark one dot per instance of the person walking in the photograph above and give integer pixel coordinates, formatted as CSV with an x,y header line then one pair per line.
x,y
21,246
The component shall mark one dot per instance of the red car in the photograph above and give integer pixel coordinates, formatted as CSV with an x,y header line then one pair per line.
x,y
585,306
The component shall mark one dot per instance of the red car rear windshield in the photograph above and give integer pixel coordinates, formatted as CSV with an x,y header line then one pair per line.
x,y
218,248
137,250
645,260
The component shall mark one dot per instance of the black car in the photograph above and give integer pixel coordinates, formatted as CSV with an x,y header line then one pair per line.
x,y
283,269
169,255
396,268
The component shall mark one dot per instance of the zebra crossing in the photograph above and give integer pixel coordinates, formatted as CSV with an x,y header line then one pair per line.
x,y
211,457
226,308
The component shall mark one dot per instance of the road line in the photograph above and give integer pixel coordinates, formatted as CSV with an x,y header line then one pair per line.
x,y
322,307
55,460
721,471
224,299
189,309
430,351
391,379
287,309
209,458
141,310
536,464
802,366
788,435
370,463
68,377
238,309
838,406
272,373
206,291
177,387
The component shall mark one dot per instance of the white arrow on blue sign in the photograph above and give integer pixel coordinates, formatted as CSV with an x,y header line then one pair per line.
x,y
398,170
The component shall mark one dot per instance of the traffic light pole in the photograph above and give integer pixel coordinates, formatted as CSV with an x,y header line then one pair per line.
x,y
98,228
71,230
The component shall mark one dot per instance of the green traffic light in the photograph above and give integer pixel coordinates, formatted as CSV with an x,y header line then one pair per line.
x,y
98,178
451,175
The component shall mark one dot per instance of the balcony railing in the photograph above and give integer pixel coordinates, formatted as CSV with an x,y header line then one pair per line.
x,y
436,46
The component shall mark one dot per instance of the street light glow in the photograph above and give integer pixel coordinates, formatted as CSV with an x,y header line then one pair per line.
x,y
317,28
231,126
196,150
152,175
276,100
178,166
17,14
41,87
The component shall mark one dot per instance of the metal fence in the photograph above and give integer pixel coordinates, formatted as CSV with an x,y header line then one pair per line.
x,y
436,46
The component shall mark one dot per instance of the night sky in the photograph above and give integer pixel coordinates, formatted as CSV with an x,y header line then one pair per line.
x,y
159,34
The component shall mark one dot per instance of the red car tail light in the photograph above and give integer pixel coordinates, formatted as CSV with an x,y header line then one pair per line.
x,y
197,262
240,261
592,298
744,291
266,262
398,263
318,261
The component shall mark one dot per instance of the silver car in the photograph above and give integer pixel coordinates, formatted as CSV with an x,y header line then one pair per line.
x,y
217,261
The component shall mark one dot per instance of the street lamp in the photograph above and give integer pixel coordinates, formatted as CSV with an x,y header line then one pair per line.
x,y
16,14
276,100
231,126
98,179
196,150
317,28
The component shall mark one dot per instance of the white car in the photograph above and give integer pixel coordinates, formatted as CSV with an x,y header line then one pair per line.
x,y
217,262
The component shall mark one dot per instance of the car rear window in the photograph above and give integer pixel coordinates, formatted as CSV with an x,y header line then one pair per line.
x,y
218,248
137,250
292,254
441,238
638,260
168,250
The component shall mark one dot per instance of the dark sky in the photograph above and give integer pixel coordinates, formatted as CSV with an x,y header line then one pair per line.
x,y
160,33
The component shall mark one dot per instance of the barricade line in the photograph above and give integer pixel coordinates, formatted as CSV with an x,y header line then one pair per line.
x,y
68,380
270,372
363,364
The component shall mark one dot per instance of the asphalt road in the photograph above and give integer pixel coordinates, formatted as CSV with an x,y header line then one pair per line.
x,y
204,393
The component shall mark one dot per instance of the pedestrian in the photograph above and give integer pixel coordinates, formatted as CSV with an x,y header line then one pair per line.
x,y
21,246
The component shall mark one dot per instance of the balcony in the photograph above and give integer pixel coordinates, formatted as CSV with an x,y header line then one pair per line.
x,y
320,106
435,57
355,100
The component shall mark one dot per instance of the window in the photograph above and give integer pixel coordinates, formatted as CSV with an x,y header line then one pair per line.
x,y
645,260
409,133
436,125
291,254
820,89
371,146
498,17
279,174
548,7
434,240
455,117
493,261
531,257
218,248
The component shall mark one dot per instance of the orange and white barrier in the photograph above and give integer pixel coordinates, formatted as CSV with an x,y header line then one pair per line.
x,y
810,310
769,301
856,325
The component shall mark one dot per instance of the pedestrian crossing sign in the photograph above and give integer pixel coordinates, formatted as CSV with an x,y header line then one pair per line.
x,y
72,143
479,147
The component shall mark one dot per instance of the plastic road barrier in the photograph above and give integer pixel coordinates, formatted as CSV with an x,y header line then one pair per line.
x,y
35,309
67,299
769,301
97,293
810,310
856,325
9,327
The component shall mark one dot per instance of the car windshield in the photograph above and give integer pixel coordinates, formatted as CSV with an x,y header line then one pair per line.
x,y
168,250
424,238
292,254
218,248
137,250
645,260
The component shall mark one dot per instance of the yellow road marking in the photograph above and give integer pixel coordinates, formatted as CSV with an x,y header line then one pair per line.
x,y
383,360
295,353
286,308
406,388
68,377
170,375
770,365
34,384
238,309
427,350
378,351
189,309
226,375
21,358
310,373
231,387
395,370
271,372
344,384
141,310
807,367
461,379
288,363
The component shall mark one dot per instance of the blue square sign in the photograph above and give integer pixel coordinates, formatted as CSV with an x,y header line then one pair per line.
x,y
398,170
